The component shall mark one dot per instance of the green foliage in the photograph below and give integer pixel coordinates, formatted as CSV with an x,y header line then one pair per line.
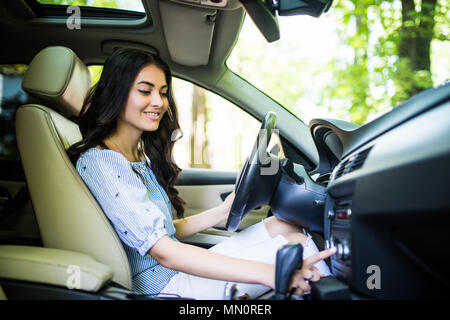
x,y
383,57
352,76
391,45
91,3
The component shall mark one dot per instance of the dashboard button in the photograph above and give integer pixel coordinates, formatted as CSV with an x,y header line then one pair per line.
x,y
331,214
339,250
343,251
346,252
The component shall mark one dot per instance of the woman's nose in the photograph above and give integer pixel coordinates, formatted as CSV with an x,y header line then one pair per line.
x,y
156,99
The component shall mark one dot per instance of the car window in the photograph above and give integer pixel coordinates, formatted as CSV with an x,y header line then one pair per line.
x,y
216,133
11,97
354,63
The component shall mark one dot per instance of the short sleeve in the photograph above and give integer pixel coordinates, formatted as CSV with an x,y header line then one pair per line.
x,y
123,197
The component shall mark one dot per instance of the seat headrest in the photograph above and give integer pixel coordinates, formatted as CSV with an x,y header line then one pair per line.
x,y
59,77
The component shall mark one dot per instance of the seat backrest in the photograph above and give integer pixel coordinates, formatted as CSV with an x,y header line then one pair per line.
x,y
68,215
2,294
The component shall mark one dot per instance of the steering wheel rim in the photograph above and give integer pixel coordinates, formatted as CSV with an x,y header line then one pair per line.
x,y
249,173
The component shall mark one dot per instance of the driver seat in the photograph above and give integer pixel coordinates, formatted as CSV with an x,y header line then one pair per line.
x,y
68,215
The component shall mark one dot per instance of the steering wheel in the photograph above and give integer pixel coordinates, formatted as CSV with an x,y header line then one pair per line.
x,y
256,182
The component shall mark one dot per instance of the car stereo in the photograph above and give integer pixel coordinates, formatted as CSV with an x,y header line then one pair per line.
x,y
338,234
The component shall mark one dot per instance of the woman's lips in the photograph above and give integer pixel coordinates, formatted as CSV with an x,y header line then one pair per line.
x,y
152,115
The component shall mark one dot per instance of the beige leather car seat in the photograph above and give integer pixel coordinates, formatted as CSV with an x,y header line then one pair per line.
x,y
68,215
2,294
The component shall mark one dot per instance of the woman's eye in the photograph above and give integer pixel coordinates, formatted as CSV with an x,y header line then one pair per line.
x,y
164,94
144,92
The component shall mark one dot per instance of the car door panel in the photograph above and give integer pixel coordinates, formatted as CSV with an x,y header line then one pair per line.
x,y
202,190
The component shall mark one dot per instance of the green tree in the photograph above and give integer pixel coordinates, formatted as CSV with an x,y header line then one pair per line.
x,y
414,47
351,73
390,43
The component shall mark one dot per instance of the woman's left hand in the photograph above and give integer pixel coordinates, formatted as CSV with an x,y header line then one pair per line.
x,y
226,204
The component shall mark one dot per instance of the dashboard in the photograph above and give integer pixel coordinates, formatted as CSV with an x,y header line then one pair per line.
x,y
387,206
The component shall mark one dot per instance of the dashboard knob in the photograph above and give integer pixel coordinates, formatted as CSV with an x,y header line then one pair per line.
x,y
346,252
331,214
329,243
343,251
339,250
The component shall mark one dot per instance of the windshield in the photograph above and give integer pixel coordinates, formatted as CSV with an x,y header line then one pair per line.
x,y
354,63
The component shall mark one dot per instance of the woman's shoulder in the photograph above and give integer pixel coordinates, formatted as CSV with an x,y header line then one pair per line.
x,y
101,157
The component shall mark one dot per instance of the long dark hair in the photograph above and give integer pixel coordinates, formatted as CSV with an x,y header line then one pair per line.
x,y
105,101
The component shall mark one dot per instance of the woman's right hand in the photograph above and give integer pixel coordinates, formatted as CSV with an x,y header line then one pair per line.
x,y
301,277
226,205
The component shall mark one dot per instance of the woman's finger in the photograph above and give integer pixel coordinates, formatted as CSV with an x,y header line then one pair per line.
x,y
307,274
299,280
298,292
308,262
304,286
316,274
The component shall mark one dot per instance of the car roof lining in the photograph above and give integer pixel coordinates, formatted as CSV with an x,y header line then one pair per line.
x,y
185,52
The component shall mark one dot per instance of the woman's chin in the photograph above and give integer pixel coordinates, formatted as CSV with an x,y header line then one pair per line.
x,y
152,127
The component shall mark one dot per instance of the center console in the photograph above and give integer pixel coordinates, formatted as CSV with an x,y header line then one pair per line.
x,y
339,216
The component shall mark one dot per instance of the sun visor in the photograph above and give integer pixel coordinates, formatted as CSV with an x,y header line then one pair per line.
x,y
188,32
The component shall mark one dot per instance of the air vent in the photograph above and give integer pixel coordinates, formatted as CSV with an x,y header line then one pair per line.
x,y
351,164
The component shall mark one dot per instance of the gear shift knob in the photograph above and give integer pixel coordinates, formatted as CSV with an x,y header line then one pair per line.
x,y
289,258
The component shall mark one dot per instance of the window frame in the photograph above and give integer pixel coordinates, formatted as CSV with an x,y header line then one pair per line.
x,y
51,11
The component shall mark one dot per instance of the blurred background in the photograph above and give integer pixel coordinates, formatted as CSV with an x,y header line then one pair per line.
x,y
354,63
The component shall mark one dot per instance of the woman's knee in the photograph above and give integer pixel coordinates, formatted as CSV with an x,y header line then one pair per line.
x,y
276,226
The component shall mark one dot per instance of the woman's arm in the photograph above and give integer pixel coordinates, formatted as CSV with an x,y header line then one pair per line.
x,y
208,264
189,226
204,263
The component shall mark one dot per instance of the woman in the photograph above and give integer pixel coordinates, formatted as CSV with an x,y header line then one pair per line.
x,y
125,158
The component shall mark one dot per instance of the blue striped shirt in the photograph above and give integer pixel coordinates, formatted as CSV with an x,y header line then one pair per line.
x,y
138,208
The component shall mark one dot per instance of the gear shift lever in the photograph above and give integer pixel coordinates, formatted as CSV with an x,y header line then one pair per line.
x,y
289,258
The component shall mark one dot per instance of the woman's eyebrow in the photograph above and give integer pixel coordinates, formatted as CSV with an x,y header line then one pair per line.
x,y
151,84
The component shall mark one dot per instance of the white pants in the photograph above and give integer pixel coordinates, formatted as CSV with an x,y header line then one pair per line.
x,y
253,243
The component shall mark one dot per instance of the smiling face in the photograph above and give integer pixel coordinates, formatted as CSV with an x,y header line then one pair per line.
x,y
147,101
